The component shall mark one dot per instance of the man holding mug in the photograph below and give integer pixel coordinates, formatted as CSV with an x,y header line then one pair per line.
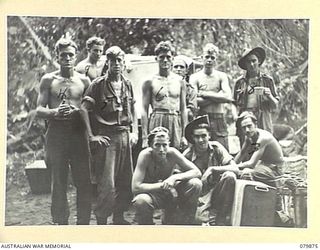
x,y
255,91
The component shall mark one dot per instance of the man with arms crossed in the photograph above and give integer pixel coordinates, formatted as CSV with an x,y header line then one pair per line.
x,y
111,100
155,185
166,93
213,91
94,65
205,155
66,139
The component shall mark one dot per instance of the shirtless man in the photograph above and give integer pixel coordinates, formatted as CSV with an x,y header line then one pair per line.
x,y
66,139
94,65
213,91
155,185
180,67
262,149
166,93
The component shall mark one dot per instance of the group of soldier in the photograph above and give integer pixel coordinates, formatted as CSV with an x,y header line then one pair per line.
x,y
184,162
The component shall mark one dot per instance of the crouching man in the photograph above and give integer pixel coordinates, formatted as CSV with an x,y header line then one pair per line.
x,y
218,189
156,186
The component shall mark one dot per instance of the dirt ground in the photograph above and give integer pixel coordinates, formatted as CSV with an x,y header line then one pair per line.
x,y
24,208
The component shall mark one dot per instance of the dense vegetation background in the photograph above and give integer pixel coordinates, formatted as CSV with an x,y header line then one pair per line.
x,y
30,54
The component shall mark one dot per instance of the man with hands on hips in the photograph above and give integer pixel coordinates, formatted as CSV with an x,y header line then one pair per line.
x,y
110,98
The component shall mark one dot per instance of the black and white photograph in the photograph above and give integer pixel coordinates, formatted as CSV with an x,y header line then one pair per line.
x,y
135,121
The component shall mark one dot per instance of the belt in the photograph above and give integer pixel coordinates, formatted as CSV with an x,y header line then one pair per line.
x,y
166,111
115,128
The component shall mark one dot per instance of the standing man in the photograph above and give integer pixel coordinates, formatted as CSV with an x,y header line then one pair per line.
x,y
213,91
156,186
180,67
166,93
205,155
66,139
111,100
95,64
255,92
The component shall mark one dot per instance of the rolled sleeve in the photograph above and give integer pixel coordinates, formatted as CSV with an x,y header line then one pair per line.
x,y
225,157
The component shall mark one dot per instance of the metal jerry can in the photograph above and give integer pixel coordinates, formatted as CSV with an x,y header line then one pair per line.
x,y
254,204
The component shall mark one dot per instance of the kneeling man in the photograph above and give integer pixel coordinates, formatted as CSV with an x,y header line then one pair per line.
x,y
156,186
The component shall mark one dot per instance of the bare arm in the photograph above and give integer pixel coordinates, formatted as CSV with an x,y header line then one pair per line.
x,y
231,167
236,168
146,101
200,100
138,186
188,169
224,95
43,111
86,81
242,153
256,156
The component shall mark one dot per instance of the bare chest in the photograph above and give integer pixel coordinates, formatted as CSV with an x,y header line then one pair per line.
x,y
163,88
67,89
94,70
159,170
209,83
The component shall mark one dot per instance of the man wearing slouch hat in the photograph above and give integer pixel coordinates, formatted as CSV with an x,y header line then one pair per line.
x,y
218,187
256,91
